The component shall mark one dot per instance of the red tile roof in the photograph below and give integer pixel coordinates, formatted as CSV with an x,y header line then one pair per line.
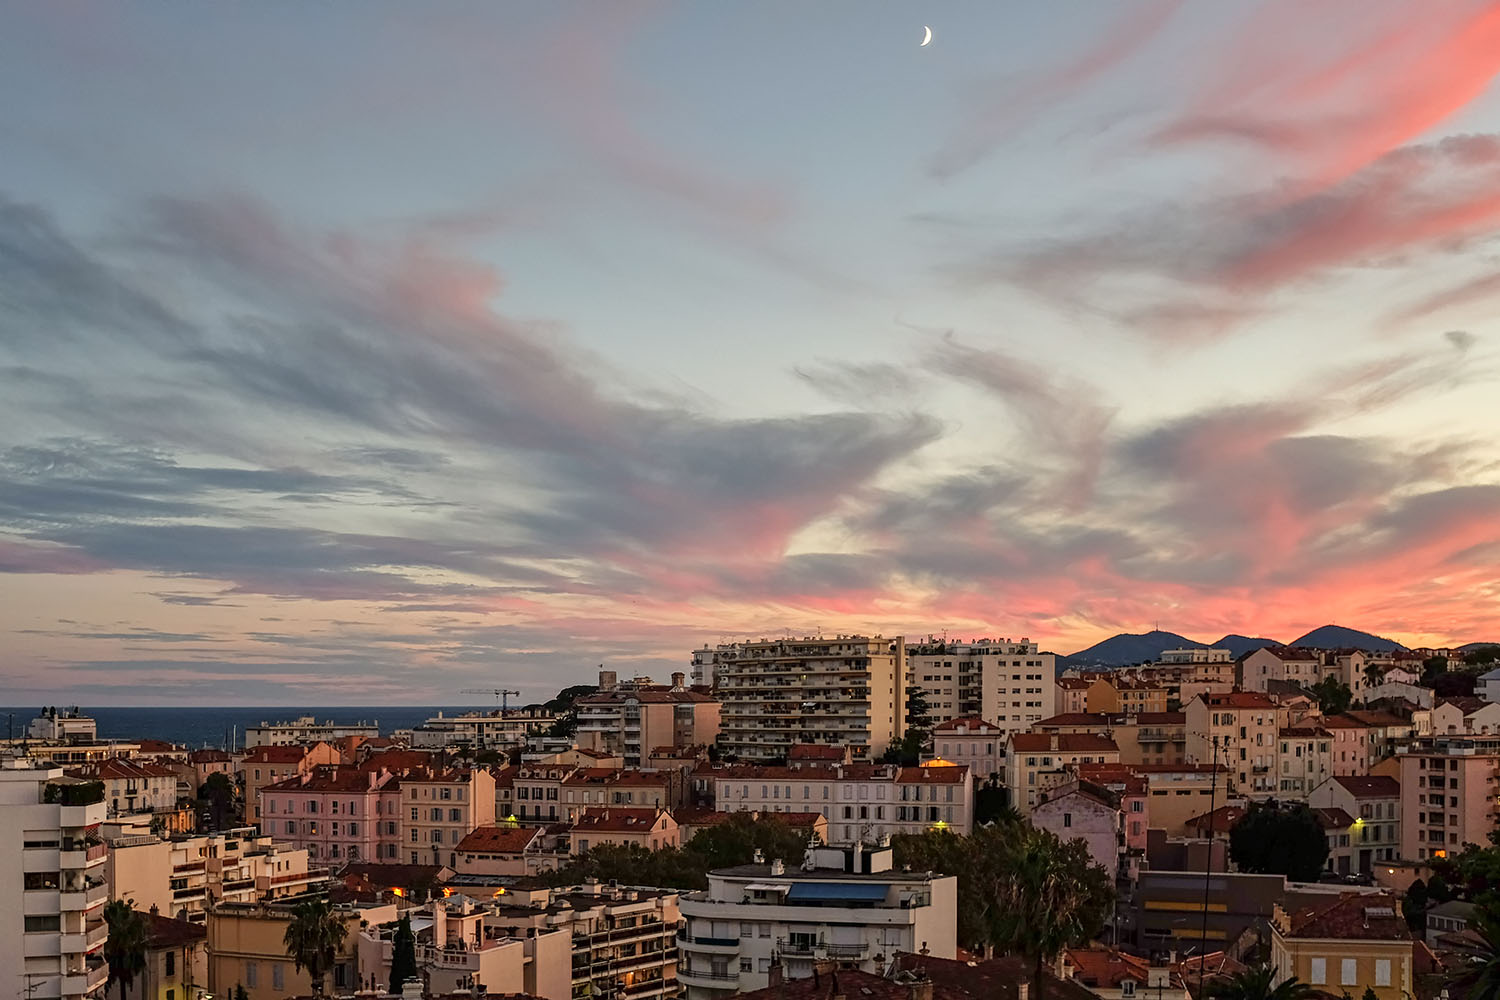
x,y
1062,743
1106,968
276,755
1305,733
119,769
1238,699
164,932
954,774
1352,916
340,780
972,723
815,751
1098,719
1370,786
616,819
499,839
1333,819
849,983
1221,820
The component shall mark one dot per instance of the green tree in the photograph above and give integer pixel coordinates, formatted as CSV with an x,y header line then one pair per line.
x,y
125,947
1483,979
733,842
1414,906
1279,840
216,798
1334,696
1432,667
1438,890
1259,983
1372,673
313,938
240,992
991,805
1370,994
403,955
1055,898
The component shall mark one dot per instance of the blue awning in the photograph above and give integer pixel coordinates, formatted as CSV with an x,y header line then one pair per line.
x,y
836,892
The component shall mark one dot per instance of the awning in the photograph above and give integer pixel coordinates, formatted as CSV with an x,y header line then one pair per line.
x,y
847,892
768,887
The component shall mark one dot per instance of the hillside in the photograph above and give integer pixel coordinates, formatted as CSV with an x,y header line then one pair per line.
x,y
1339,637
1239,645
1128,648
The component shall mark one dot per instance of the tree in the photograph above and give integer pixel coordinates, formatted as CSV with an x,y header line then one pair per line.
x,y
403,955
1432,667
1373,674
313,939
240,993
1334,696
1370,994
1455,684
991,805
216,798
125,947
1438,890
1483,981
1279,840
1414,906
1259,983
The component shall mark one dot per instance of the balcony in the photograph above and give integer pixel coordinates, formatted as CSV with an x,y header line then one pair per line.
x,y
716,945
95,936
727,981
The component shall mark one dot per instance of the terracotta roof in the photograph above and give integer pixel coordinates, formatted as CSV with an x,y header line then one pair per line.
x,y
1073,719
815,751
1370,786
1342,722
615,777
119,769
1074,683
993,979
1237,699
1370,718
1286,654
1465,703
798,819
164,932
1305,733
158,746
499,839
647,696
1221,820
1333,819
701,817
405,876
1106,967
953,774
276,755
209,757
397,760
1352,916
1061,743
850,983
972,723
617,819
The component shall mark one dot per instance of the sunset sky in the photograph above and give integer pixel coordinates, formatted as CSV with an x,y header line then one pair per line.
x,y
359,353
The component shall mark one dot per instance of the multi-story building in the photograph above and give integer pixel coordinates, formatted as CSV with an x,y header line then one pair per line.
x,y
650,828
972,743
1448,794
337,814
498,729
1456,716
440,808
1238,730
1115,694
635,717
1374,803
184,876
505,850
53,883
63,725
247,949
133,786
1174,656
1079,810
1175,793
1351,943
1305,759
848,905
1037,761
1009,683
1294,664
1351,745
860,801
847,690
306,729
266,765
176,961
1143,738
1070,695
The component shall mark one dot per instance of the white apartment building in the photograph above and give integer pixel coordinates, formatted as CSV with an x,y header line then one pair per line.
x,y
1037,761
501,728
62,725
1196,656
860,801
52,884
846,690
305,729
847,905
1007,683
972,743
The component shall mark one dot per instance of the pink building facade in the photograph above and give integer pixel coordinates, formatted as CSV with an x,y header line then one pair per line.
x,y
338,814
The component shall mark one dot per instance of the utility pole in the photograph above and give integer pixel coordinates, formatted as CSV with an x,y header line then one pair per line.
x,y
1208,861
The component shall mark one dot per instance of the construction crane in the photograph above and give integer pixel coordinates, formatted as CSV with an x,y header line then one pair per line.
x,y
501,694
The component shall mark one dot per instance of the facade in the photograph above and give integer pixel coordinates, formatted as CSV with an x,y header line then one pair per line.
x,y
1175,793
1350,943
1010,683
502,728
1306,760
305,729
634,718
847,905
1238,729
439,809
248,951
336,814
972,743
1455,716
133,786
651,829
1114,694
1374,803
1487,686
1196,656
1293,664
504,850
1070,695
53,884
267,765
859,801
62,725
1078,811
1037,761
842,691
1352,743
1448,794
176,961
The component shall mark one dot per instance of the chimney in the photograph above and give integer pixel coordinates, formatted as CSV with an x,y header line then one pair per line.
x,y
921,989
678,680
777,867
1054,741
1023,990
758,857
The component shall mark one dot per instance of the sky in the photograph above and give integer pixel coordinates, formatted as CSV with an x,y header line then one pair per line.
x,y
364,353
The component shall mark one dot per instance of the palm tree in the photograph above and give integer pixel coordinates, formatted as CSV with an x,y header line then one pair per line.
x,y
1484,980
1258,983
1372,674
125,948
313,939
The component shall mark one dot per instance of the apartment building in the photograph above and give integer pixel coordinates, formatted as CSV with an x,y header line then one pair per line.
x,y
1449,786
847,690
972,743
62,725
1175,793
306,729
1239,730
1079,810
498,729
1352,744
620,826
337,814
504,850
1143,738
1008,683
176,961
860,801
1194,656
183,877
635,717
590,786
132,786
1305,760
1351,943
1070,695
1116,694
53,884
1374,802
248,950
847,905
1455,716
440,808
1294,664
268,764
1037,761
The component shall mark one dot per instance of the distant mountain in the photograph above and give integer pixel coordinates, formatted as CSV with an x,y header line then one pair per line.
x,y
1239,645
1338,637
1469,647
1126,648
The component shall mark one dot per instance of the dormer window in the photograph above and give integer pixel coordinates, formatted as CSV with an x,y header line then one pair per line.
x,y
1127,988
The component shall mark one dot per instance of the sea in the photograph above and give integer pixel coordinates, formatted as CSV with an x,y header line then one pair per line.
x,y
217,727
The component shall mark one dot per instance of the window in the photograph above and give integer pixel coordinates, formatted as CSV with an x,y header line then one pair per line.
x,y
455,815
1318,974
170,963
252,974
1382,972
278,976
521,794
41,880
1067,819
1349,972
51,923
747,965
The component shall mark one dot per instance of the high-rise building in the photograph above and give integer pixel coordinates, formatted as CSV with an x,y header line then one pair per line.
x,y
1448,794
52,883
1007,683
846,690
633,718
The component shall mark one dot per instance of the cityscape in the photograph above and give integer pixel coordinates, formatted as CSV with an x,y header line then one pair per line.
x,y
652,500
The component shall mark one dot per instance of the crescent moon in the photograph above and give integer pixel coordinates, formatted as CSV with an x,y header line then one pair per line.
x,y
926,36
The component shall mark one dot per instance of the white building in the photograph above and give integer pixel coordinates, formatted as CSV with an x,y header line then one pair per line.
x,y
510,728
62,725
52,884
843,904
1008,683
305,729
1196,656
972,743
1487,686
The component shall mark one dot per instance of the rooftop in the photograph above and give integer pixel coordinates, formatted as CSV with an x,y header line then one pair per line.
x,y
1370,786
1352,916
